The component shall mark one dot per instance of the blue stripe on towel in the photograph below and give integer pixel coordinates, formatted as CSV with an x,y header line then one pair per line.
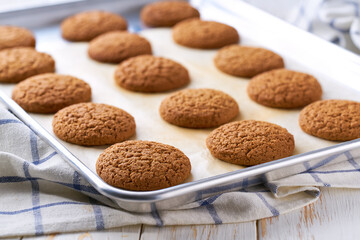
x,y
45,159
34,184
99,219
209,200
211,209
155,214
35,201
213,214
6,121
34,148
83,188
336,171
352,161
322,163
273,210
314,176
76,180
41,206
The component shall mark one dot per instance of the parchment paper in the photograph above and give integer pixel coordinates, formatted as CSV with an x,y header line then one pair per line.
x,y
72,58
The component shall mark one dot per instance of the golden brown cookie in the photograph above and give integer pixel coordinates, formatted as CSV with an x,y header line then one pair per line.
x,y
196,33
143,165
198,108
11,36
147,73
244,61
92,124
284,88
336,120
87,25
50,92
114,47
17,64
250,142
167,13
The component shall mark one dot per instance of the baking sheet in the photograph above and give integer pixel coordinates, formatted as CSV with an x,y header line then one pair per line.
x,y
71,58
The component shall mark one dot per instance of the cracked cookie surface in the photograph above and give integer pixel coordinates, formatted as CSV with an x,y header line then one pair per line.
x,y
92,124
250,142
87,25
336,120
147,73
143,165
116,46
167,13
17,64
284,88
242,61
11,36
196,33
50,92
198,108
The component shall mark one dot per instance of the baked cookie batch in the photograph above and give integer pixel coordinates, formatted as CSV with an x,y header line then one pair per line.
x,y
144,165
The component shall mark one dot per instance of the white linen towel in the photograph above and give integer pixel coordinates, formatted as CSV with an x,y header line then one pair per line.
x,y
337,21
42,194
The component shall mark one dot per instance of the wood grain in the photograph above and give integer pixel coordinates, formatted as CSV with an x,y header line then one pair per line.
x,y
128,233
334,216
197,232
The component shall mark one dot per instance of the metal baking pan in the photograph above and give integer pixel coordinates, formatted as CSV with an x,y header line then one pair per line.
x,y
301,50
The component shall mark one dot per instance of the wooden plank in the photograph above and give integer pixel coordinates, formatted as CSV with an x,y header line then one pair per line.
x,y
336,215
128,233
224,231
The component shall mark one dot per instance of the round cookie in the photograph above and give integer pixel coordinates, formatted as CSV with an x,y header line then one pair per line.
x,y
143,165
11,36
87,25
147,73
196,33
114,47
250,142
17,64
167,13
50,92
284,88
198,108
92,124
244,61
336,120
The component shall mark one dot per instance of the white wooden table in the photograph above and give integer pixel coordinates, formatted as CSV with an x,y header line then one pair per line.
x,y
336,215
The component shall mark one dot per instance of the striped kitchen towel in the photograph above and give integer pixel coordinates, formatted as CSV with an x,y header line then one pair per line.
x,y
42,194
337,21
